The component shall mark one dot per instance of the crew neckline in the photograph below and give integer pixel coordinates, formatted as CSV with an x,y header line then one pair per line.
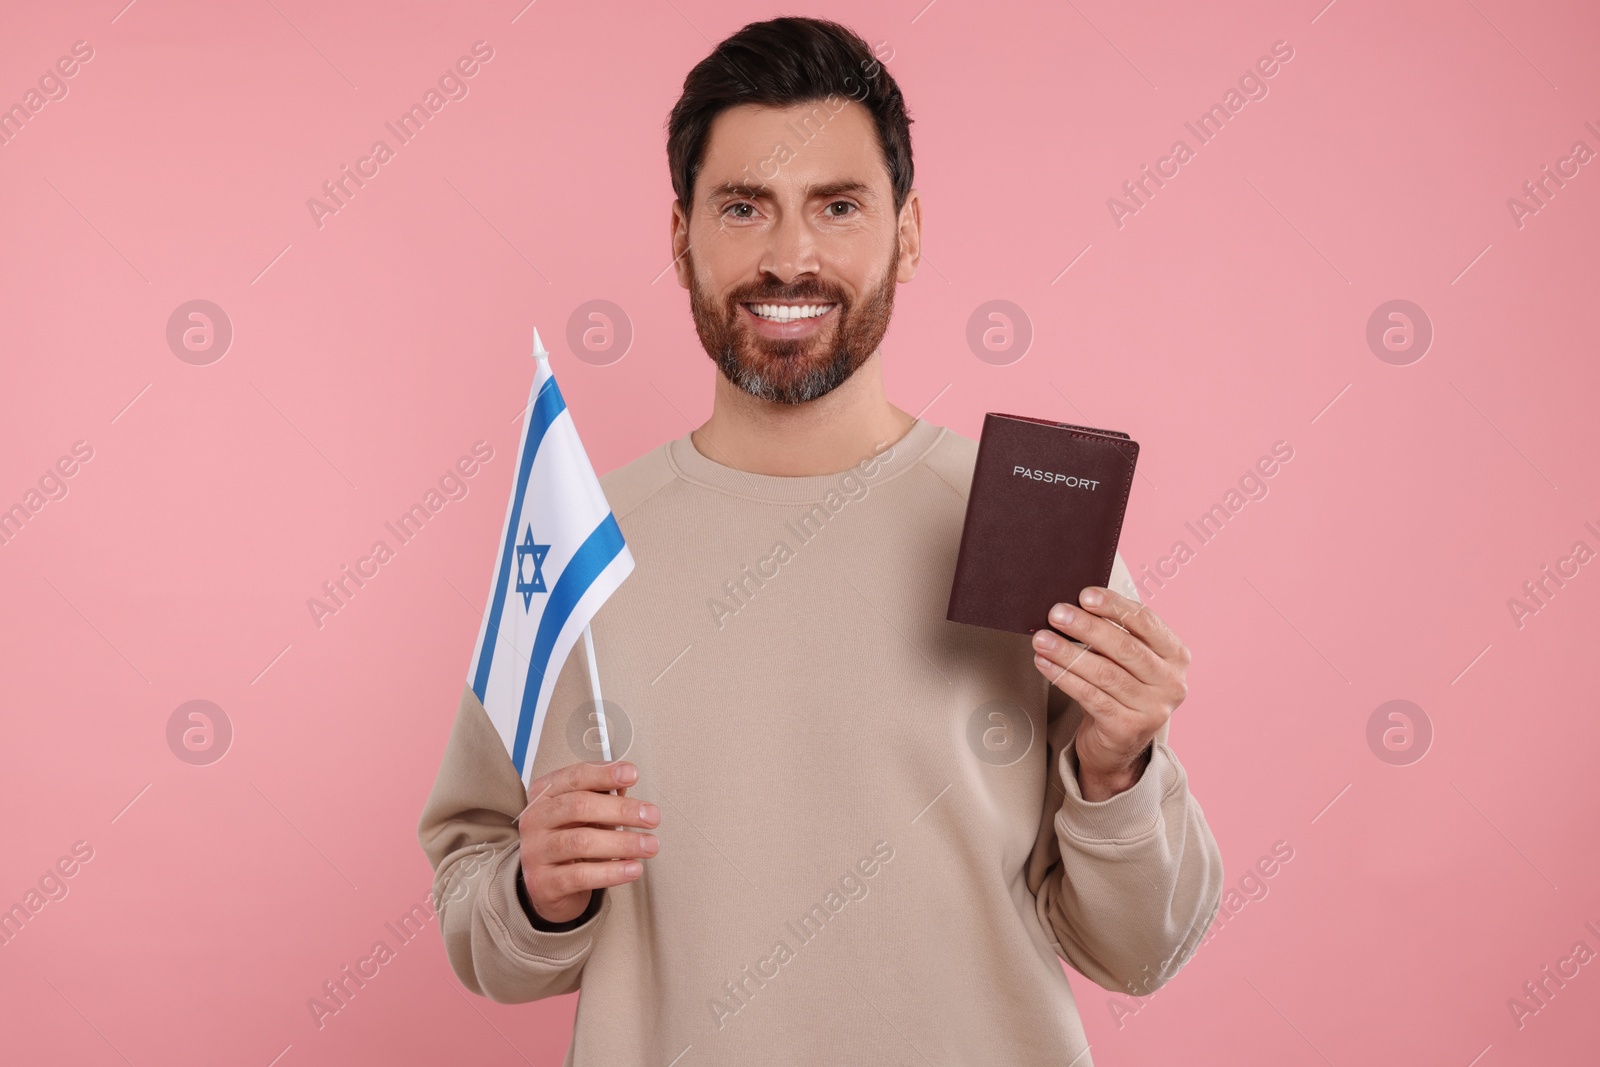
x,y
688,463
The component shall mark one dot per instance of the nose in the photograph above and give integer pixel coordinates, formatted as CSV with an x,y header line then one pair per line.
x,y
791,250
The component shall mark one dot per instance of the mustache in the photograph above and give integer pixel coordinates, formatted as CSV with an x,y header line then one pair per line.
x,y
814,292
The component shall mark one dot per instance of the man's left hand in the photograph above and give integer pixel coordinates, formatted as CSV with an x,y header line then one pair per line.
x,y
1129,680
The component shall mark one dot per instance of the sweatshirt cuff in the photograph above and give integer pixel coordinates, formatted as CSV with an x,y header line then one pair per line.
x,y
562,942
1132,813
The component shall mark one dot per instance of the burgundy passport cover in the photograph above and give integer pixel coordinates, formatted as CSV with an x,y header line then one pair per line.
x,y
1043,517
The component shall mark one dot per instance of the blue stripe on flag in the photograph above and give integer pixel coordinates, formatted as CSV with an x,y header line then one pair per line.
x,y
546,407
596,553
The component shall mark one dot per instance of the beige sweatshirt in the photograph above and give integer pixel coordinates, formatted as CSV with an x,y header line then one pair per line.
x,y
873,844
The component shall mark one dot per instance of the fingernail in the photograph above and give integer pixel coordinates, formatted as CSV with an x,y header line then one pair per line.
x,y
633,870
1061,615
1045,639
1091,597
650,845
625,773
649,813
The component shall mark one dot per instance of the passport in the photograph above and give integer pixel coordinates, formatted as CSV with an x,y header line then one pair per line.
x,y
1044,514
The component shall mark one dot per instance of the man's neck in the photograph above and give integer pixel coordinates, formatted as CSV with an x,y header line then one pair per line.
x,y
824,436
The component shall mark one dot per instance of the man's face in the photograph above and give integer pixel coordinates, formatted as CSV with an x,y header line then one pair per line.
x,y
793,248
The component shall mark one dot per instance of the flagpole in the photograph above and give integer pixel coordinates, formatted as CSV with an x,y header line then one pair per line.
x,y
541,355
594,687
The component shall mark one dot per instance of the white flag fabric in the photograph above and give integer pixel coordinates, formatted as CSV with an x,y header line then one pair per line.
x,y
561,556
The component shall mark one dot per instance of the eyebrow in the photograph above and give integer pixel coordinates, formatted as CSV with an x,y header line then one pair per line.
x,y
751,191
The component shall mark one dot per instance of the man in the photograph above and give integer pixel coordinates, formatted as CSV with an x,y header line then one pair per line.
x,y
846,830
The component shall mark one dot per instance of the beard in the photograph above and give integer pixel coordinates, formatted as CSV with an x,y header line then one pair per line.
x,y
792,371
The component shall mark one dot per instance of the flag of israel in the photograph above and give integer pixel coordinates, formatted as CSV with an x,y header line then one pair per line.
x,y
561,555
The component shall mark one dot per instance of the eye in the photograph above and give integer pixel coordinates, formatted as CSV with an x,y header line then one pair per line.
x,y
736,205
840,203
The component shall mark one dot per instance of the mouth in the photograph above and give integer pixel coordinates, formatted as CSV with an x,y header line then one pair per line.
x,y
788,320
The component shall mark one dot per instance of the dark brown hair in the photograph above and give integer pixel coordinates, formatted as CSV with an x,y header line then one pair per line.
x,y
778,63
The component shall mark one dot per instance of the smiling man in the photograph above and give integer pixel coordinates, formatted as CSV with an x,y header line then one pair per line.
x,y
844,829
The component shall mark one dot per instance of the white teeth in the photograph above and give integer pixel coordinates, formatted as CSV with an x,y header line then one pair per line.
x,y
789,312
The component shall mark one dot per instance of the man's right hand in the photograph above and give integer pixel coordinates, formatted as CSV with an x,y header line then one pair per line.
x,y
570,842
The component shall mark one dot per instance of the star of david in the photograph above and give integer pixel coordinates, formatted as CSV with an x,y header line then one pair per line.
x,y
535,583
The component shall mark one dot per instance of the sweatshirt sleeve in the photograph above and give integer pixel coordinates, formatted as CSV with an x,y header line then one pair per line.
x,y
475,849
1128,885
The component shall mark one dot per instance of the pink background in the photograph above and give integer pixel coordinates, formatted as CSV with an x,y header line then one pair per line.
x,y
368,354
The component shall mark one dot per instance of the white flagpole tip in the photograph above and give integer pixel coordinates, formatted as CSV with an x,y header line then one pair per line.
x,y
538,346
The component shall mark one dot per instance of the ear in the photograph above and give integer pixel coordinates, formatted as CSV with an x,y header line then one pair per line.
x,y
910,237
680,244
